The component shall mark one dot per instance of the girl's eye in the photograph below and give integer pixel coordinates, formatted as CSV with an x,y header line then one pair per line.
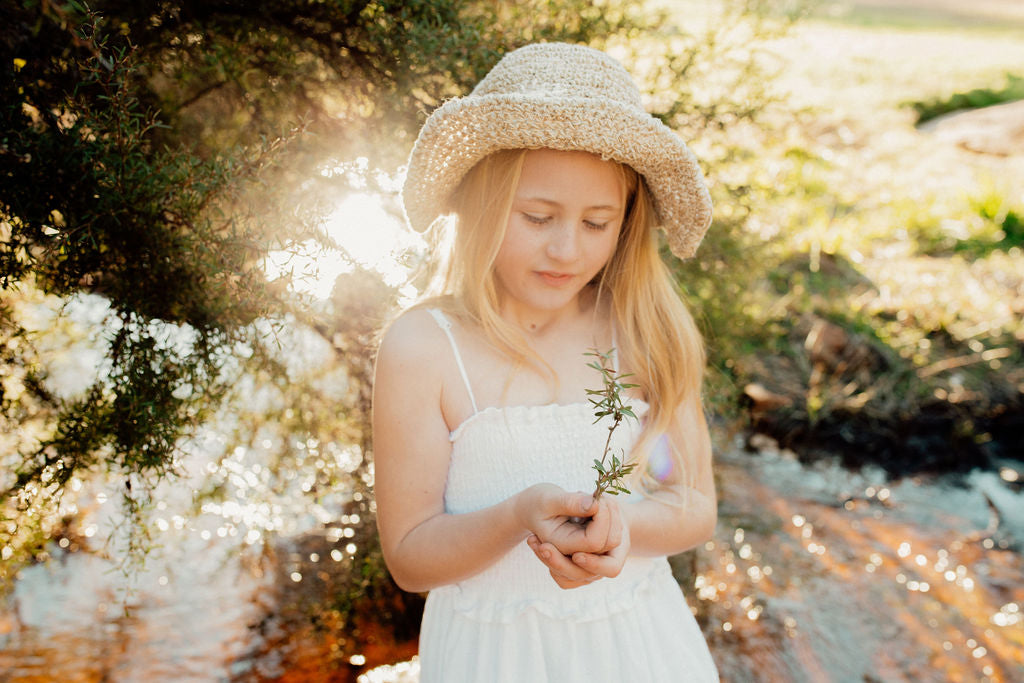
x,y
595,226
536,220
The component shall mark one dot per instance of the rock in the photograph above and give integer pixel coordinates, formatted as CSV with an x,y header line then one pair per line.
x,y
762,443
763,400
831,348
997,130
826,343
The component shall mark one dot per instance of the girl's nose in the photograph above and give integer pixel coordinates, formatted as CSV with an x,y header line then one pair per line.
x,y
564,242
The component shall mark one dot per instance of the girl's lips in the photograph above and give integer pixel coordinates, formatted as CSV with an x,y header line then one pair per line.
x,y
553,278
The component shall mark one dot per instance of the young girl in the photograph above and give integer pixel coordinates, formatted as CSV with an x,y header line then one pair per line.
x,y
551,178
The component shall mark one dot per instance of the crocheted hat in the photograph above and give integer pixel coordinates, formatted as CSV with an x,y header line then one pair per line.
x,y
563,97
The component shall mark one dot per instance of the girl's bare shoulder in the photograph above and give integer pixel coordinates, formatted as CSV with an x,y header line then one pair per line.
x,y
414,336
410,370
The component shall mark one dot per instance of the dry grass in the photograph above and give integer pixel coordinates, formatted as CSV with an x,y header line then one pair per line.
x,y
857,184
894,180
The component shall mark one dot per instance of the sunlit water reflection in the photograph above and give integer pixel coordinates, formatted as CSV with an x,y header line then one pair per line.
x,y
819,574
186,614
72,620
815,574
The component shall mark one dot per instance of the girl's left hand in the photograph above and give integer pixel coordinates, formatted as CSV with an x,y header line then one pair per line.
x,y
581,568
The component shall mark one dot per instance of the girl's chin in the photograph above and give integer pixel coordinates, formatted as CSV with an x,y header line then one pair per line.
x,y
544,301
541,297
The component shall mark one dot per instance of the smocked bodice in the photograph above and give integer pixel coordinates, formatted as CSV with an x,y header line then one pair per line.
x,y
500,451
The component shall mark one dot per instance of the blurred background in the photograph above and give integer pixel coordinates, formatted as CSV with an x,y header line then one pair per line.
x,y
200,238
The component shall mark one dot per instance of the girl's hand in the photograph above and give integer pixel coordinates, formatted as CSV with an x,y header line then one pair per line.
x,y
581,568
546,509
566,574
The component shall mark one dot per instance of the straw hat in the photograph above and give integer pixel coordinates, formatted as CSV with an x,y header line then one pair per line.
x,y
564,97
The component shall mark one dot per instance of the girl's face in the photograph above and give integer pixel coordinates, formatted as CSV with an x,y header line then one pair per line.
x,y
566,215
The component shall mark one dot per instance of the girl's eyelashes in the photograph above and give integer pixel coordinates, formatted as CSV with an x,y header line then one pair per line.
x,y
536,220
541,220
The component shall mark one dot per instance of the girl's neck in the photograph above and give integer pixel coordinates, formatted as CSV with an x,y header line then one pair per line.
x,y
540,323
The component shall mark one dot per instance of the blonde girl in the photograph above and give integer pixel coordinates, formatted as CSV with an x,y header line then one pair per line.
x,y
541,191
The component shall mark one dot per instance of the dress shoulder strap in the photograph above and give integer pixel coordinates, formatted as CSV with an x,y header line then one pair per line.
x,y
446,326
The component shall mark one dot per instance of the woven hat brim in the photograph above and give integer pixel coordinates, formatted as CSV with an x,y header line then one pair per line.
x,y
464,130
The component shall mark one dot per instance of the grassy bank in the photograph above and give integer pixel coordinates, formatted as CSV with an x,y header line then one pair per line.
x,y
885,293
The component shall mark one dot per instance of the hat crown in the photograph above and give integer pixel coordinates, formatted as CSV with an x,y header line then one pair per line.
x,y
561,70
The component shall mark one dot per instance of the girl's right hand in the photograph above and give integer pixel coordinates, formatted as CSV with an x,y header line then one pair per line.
x,y
546,510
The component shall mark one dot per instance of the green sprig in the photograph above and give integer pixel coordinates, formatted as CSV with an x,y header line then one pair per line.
x,y
608,401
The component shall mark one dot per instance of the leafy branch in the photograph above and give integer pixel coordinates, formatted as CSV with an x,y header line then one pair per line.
x,y
608,401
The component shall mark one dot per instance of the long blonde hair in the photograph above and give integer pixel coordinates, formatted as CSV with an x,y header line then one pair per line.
x,y
658,339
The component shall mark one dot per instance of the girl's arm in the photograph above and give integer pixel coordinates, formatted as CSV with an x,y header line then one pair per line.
x,y
424,547
683,513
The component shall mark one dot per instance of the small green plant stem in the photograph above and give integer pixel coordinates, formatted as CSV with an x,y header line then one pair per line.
x,y
610,403
604,478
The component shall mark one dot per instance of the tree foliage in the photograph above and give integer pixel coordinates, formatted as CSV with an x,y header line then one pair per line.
x,y
153,154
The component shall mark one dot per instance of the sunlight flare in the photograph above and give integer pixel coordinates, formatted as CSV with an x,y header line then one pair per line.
x,y
365,234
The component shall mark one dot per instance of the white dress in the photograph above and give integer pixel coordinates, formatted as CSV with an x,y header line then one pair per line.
x,y
511,622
